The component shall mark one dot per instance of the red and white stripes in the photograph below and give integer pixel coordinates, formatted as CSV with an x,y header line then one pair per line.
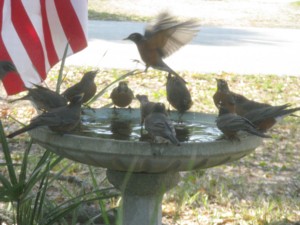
x,y
34,35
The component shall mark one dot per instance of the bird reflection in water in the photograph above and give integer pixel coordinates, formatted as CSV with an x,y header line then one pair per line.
x,y
182,132
121,130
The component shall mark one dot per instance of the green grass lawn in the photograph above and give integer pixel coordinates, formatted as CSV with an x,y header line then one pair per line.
x,y
262,188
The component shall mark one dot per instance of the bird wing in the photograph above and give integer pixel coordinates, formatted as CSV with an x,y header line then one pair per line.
x,y
76,89
232,122
167,34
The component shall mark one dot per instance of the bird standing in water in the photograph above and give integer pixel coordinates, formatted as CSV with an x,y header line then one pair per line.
x,y
163,36
146,107
61,120
86,86
122,95
178,95
159,126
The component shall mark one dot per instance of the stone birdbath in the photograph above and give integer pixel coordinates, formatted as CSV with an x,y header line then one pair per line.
x,y
144,171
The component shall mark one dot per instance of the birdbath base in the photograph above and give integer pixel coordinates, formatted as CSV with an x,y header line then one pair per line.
x,y
142,195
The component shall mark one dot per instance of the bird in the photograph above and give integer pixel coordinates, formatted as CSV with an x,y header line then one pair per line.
x,y
266,117
146,107
263,115
223,95
86,86
43,98
242,105
5,67
63,119
230,124
178,95
159,126
122,95
162,37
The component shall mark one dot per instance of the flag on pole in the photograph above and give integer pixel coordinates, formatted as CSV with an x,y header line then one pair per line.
x,y
34,34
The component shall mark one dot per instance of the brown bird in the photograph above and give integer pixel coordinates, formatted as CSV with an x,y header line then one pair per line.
x,y
86,86
230,124
159,126
241,103
122,95
223,95
163,36
146,106
43,98
263,115
5,67
266,117
61,120
178,95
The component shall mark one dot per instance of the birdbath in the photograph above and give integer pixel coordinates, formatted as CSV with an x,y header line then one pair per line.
x,y
143,171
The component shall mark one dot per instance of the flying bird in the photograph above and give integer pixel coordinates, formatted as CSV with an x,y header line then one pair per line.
x,y
162,37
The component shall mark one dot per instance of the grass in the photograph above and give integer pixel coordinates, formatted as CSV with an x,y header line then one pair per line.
x,y
262,188
296,4
101,10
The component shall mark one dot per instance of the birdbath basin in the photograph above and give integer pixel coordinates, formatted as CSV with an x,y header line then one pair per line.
x,y
143,171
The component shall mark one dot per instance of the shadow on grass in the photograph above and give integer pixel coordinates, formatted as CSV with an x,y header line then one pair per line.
x,y
96,15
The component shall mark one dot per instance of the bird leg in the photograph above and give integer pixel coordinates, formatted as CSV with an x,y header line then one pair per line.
x,y
89,107
180,121
138,62
130,109
115,110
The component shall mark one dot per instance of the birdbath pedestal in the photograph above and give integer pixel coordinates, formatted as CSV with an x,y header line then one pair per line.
x,y
142,171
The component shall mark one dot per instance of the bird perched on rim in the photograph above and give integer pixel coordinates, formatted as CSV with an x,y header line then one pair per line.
x,y
5,67
122,95
159,126
266,117
163,36
43,98
223,95
230,124
63,119
263,115
146,106
86,86
178,95
241,103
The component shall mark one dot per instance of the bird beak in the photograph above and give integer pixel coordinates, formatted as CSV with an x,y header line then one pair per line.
x,y
124,39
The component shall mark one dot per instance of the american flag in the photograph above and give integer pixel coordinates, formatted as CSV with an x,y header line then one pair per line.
x,y
34,34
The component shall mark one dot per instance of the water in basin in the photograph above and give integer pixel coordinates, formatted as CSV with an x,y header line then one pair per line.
x,y
122,129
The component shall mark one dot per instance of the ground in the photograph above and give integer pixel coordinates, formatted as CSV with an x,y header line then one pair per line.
x,y
259,13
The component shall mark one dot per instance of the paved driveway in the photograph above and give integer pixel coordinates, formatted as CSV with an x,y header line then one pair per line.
x,y
215,49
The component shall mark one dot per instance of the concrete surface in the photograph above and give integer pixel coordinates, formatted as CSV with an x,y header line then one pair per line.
x,y
214,49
